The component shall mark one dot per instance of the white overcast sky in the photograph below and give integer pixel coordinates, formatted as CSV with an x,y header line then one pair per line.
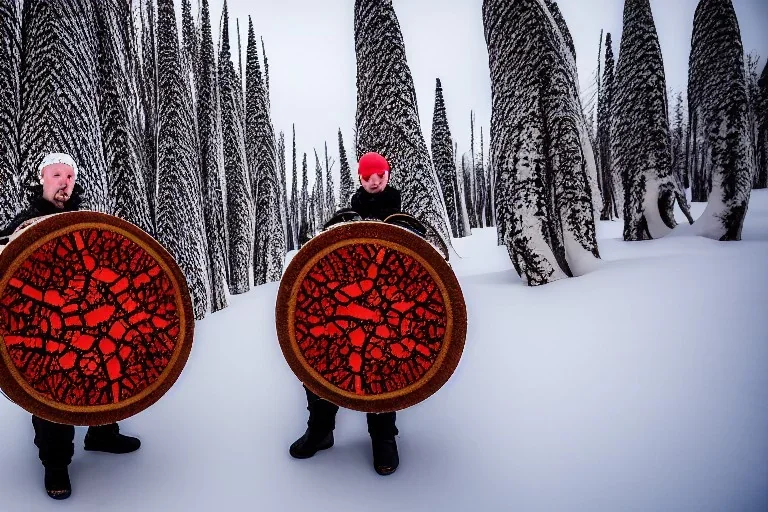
x,y
310,47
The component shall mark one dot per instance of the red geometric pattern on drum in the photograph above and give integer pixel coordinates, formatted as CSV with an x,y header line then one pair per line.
x,y
369,319
89,318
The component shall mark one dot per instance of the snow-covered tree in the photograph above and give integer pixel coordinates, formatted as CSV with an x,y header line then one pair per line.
x,y
541,155
719,119
10,105
241,97
756,113
59,93
318,193
238,207
460,191
120,113
293,219
212,163
346,181
442,156
190,42
149,99
269,240
282,182
611,200
468,175
490,220
266,70
640,135
762,132
304,206
180,225
312,215
330,199
678,143
561,25
387,118
480,182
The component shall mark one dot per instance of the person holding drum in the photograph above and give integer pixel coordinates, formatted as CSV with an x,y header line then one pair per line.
x,y
59,192
375,199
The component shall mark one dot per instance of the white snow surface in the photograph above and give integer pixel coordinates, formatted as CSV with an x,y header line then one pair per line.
x,y
639,386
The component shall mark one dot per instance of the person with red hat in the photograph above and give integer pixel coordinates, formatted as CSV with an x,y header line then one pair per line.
x,y
375,199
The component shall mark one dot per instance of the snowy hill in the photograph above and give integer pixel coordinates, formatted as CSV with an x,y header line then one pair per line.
x,y
639,386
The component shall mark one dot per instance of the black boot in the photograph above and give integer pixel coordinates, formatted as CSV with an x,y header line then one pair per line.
x,y
310,443
56,448
107,438
382,429
57,483
385,457
319,433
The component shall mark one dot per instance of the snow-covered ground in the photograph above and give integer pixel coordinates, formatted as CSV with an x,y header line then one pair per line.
x,y
642,385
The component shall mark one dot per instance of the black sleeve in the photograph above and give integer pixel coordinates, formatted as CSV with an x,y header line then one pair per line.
x,y
398,202
15,223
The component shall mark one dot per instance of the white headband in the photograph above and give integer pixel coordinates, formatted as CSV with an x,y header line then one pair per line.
x,y
57,158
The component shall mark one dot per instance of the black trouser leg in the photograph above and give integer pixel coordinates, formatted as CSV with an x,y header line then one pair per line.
x,y
322,413
382,425
54,442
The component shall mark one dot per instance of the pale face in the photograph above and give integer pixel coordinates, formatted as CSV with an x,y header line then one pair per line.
x,y
375,183
58,183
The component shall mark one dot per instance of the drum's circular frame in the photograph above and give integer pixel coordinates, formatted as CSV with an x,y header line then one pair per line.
x,y
392,237
20,391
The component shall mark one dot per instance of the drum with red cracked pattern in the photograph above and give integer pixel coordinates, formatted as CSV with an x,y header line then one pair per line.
x,y
369,319
89,318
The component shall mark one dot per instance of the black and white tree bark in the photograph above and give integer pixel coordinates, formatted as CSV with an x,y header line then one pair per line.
x,y
120,113
59,93
640,134
269,239
180,225
239,201
10,108
544,202
719,119
212,164
347,185
611,183
443,158
387,118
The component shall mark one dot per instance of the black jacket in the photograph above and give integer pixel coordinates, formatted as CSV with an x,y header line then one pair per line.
x,y
376,206
41,207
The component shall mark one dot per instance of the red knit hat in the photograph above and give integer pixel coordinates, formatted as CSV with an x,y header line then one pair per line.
x,y
371,163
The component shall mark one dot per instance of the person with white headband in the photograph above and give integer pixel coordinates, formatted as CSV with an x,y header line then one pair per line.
x,y
59,192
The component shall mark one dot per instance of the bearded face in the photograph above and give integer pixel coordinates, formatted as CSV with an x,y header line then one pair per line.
x,y
58,183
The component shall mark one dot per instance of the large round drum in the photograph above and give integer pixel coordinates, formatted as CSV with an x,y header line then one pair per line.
x,y
370,317
96,319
